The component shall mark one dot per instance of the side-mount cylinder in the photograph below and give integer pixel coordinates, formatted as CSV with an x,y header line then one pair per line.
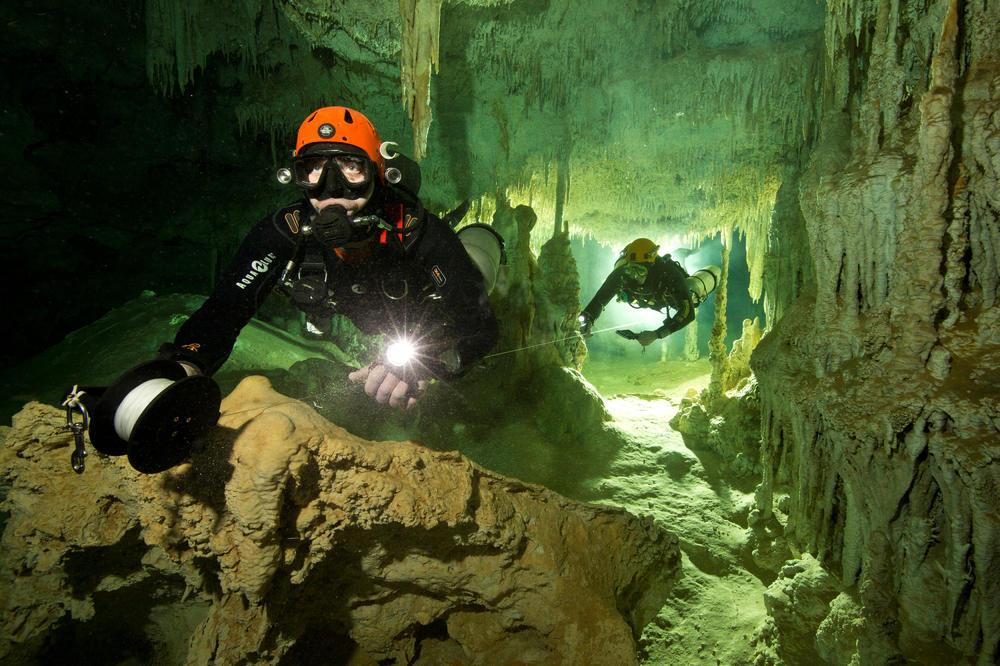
x,y
486,248
703,282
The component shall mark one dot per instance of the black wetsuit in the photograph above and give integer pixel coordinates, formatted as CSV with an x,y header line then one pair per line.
x,y
664,287
416,280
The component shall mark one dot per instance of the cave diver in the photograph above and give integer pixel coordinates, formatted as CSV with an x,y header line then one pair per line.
x,y
358,243
644,279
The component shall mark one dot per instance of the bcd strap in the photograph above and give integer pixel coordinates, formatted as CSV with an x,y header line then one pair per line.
x,y
312,264
394,211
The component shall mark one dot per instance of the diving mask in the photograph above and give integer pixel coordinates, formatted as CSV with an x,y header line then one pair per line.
x,y
333,175
635,272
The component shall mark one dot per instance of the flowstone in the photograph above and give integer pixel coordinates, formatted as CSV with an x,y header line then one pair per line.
x,y
286,535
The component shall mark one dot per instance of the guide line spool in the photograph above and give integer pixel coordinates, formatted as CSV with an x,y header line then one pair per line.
x,y
135,403
154,413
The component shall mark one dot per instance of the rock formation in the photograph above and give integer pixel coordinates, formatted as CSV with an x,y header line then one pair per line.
x,y
536,299
561,300
880,406
728,424
287,537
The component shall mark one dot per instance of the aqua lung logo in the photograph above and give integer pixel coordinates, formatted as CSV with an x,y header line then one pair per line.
x,y
257,267
438,275
325,131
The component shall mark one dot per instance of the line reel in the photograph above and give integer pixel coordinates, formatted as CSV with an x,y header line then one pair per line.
x,y
153,414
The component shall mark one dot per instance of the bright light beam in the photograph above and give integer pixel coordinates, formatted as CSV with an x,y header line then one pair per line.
x,y
400,352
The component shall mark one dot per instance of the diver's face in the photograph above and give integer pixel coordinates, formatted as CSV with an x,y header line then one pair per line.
x,y
352,172
636,273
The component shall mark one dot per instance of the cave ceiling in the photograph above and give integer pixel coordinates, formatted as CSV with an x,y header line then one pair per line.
x,y
640,117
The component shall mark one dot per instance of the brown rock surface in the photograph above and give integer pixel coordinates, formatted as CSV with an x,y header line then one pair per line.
x,y
287,535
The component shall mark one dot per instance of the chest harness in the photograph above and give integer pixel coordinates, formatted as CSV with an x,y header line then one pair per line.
x,y
305,279
655,293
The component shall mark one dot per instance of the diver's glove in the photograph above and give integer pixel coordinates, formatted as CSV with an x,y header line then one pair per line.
x,y
332,227
645,338
397,377
586,323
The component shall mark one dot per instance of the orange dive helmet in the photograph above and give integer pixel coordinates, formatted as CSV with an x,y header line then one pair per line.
x,y
339,129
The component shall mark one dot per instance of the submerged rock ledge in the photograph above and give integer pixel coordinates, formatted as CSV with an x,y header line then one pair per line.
x,y
288,538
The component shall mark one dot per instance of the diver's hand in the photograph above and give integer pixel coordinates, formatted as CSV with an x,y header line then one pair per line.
x,y
386,387
586,324
646,338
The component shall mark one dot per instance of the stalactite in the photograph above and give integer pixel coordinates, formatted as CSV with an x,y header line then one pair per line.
x,y
562,190
421,30
261,49
172,44
785,274
643,123
181,35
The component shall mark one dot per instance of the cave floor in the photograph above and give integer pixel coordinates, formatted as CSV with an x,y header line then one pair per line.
x,y
718,605
630,375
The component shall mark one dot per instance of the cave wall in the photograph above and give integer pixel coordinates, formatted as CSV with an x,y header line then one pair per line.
x,y
880,403
111,186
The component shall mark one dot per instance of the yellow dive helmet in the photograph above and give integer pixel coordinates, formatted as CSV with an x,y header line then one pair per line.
x,y
639,251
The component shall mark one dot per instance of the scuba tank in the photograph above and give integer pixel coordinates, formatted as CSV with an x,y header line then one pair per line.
x,y
486,249
703,282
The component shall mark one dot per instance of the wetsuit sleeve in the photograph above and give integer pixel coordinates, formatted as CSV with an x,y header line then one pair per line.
x,y
612,284
206,339
680,319
470,327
